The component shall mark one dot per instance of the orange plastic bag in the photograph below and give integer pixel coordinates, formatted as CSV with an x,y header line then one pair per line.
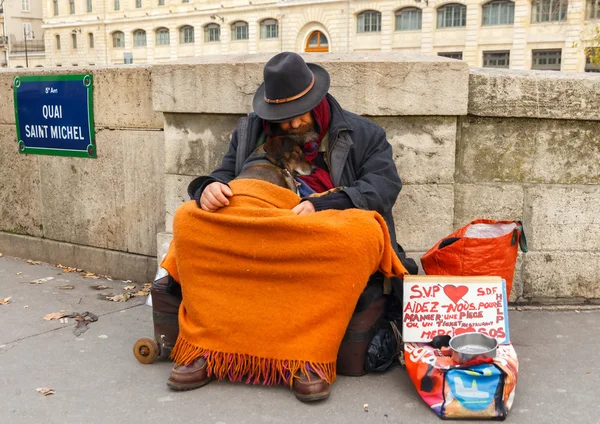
x,y
482,247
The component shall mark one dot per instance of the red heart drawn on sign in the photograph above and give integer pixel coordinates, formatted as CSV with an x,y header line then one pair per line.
x,y
455,293
464,330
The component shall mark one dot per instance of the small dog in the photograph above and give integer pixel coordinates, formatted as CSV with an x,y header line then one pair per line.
x,y
279,161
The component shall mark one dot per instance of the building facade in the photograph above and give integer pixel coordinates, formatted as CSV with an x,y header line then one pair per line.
x,y
521,34
21,33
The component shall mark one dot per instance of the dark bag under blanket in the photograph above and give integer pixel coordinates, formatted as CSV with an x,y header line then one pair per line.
x,y
166,298
361,330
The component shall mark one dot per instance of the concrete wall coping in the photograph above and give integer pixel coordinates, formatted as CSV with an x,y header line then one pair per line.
x,y
122,95
375,84
534,94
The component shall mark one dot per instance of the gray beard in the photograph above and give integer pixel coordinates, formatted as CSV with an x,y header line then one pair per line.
x,y
310,135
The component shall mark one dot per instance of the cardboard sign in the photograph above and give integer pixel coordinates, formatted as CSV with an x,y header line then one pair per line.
x,y
437,305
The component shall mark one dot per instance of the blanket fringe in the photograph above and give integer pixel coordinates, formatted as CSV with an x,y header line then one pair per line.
x,y
253,369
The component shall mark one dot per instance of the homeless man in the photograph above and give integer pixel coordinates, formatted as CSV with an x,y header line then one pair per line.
x,y
347,151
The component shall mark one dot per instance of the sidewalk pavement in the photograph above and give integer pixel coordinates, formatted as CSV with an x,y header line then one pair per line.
x,y
98,380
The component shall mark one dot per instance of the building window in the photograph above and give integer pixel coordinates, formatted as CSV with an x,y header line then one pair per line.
x,y
128,58
91,40
186,34
25,6
185,1
499,12
451,55
369,21
212,32
546,60
118,39
496,59
452,16
269,29
162,37
239,30
161,2
55,7
408,19
138,4
72,7
593,9
590,66
117,4
57,41
139,38
27,33
550,10
74,40
89,6
317,42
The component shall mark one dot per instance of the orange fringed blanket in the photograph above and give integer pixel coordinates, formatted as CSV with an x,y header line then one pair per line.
x,y
266,293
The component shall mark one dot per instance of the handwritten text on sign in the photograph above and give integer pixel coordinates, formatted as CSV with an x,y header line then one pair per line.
x,y
436,307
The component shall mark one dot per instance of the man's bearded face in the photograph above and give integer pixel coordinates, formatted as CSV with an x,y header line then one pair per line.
x,y
299,125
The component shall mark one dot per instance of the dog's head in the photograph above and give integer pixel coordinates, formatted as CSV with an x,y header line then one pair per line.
x,y
278,161
285,153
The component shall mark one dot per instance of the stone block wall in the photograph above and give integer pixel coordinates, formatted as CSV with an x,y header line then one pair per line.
x,y
98,214
468,143
530,149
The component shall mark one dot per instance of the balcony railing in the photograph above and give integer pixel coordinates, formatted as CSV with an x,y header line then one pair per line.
x,y
32,46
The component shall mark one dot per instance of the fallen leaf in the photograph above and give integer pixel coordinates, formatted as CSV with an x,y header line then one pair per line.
x,y
5,301
55,315
366,407
19,273
126,281
41,280
140,293
119,297
100,287
128,287
45,391
32,262
66,287
1,255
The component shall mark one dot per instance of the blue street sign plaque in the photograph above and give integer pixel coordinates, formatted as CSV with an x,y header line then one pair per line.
x,y
54,115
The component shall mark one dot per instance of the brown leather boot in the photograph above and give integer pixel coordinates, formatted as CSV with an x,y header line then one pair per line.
x,y
190,376
309,391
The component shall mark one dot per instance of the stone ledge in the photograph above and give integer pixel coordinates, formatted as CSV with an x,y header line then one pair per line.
x,y
118,265
384,84
490,201
122,95
561,275
534,94
423,215
563,217
175,196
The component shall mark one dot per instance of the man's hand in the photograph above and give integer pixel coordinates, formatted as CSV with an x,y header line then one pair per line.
x,y
304,208
215,196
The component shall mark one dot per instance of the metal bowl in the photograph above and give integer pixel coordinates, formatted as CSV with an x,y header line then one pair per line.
x,y
468,347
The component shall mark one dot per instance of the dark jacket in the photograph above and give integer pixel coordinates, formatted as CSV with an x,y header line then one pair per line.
x,y
359,158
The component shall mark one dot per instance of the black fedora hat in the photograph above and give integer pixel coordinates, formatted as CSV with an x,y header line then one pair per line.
x,y
291,88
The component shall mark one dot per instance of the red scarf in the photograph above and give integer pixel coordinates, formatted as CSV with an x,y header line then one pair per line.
x,y
319,180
